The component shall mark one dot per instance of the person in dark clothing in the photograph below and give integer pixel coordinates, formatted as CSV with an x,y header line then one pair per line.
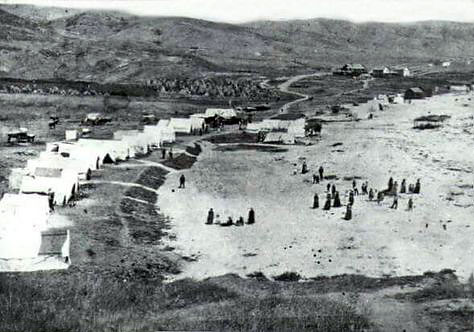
x,y
380,197
240,221
327,205
411,188
182,181
417,187
348,215
390,184
351,198
229,222
337,200
354,184
170,153
51,200
210,217
163,153
316,201
333,191
304,168
321,173
251,217
371,194
315,179
410,204
395,202
328,187
403,187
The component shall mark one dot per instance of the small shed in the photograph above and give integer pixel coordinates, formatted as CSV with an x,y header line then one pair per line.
x,y
414,93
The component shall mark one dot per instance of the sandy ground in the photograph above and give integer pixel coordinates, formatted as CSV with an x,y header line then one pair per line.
x,y
290,236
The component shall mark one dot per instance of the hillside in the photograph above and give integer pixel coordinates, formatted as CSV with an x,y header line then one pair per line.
x,y
115,47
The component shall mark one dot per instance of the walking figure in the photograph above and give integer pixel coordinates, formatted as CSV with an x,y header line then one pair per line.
x,y
327,205
395,202
163,153
321,173
348,215
182,181
316,201
333,191
354,184
328,187
170,153
395,188
210,217
410,204
251,217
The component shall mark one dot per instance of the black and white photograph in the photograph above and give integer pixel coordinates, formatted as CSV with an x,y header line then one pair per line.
x,y
205,165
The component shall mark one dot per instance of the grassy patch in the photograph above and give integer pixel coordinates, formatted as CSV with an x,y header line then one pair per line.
x,y
243,147
241,137
182,161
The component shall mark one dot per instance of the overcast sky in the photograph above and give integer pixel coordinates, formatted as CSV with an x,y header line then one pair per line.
x,y
236,11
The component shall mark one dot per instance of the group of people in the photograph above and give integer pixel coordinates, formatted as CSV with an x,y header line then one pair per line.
x,y
163,153
333,200
215,220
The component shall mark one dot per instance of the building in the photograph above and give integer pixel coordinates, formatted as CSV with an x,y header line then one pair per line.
x,y
446,64
352,69
414,93
381,72
401,71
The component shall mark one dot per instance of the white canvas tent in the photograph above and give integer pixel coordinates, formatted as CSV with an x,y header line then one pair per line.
x,y
168,135
254,127
197,122
70,135
226,113
18,238
30,208
14,180
163,123
91,158
154,135
181,125
113,149
51,160
279,138
297,128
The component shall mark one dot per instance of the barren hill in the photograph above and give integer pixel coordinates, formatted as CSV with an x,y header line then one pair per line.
x,y
116,47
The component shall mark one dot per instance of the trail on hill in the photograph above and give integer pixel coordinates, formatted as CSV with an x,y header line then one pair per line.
x,y
285,87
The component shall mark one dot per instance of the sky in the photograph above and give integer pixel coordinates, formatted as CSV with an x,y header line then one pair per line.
x,y
239,11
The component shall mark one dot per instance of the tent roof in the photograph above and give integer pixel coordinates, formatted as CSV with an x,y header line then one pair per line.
x,y
48,172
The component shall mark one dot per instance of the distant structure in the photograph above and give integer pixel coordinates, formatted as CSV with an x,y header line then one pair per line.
x,y
381,72
401,71
351,69
446,64
416,93
386,71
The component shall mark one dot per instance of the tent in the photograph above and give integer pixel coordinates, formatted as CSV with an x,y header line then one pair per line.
x,y
47,180
34,208
89,157
197,122
226,113
14,180
154,135
51,160
181,125
279,138
254,127
297,128
137,143
109,150
163,123
167,134
18,238
70,135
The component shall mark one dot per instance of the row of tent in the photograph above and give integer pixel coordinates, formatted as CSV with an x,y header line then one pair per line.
x,y
293,128
56,173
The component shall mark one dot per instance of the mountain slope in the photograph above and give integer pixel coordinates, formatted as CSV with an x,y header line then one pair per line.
x,y
116,47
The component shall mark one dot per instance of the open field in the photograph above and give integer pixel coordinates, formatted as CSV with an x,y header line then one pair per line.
x,y
379,241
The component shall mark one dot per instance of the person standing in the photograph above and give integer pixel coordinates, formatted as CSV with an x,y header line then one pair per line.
x,y
328,187
182,181
395,188
390,184
380,197
251,217
371,194
327,205
210,217
163,153
321,173
351,198
304,168
348,215
337,200
403,187
333,190
316,201
240,221
417,187
315,179
170,153
410,204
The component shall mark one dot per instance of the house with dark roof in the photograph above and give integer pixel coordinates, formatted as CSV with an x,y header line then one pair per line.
x,y
415,93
